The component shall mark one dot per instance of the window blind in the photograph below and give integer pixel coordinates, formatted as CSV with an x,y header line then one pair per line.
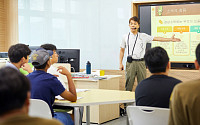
x,y
2,25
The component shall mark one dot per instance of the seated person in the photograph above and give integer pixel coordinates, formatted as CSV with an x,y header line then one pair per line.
x,y
15,96
19,55
45,86
54,59
155,91
53,70
185,100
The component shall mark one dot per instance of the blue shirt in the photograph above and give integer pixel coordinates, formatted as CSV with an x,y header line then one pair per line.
x,y
45,86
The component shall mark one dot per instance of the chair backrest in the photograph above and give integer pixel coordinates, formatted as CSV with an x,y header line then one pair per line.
x,y
39,108
2,64
142,115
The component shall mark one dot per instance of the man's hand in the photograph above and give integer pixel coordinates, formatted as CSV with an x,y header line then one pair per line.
x,y
121,67
63,70
173,39
27,67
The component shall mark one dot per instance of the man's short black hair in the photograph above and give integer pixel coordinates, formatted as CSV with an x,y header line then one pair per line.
x,y
198,53
136,19
18,51
13,89
156,60
49,47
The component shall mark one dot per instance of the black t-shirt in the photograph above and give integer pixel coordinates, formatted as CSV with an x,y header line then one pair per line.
x,y
155,91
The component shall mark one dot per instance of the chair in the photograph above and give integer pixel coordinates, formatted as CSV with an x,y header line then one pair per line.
x,y
2,63
142,115
39,108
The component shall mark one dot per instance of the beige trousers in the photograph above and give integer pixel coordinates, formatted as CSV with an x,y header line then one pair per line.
x,y
136,68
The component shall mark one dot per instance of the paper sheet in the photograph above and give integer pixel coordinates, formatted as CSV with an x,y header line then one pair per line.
x,y
61,98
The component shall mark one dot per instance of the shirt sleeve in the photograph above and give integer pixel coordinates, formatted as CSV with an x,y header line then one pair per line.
x,y
148,38
123,43
57,87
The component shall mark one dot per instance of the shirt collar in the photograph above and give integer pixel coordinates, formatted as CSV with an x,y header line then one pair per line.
x,y
134,34
9,64
159,76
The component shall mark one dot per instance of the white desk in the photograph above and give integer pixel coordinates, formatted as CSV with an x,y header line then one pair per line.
x,y
101,113
97,97
111,83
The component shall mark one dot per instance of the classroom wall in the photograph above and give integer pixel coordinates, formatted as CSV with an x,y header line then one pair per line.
x,y
95,27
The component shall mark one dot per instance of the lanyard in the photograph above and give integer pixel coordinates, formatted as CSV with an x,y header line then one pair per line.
x,y
134,44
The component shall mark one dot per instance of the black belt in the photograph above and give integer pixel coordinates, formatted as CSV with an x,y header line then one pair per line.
x,y
142,59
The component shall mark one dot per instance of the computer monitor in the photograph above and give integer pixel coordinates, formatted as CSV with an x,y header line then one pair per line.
x,y
71,56
3,54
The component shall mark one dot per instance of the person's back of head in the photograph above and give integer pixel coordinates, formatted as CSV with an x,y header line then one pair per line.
x,y
156,60
14,91
49,47
198,53
17,52
40,58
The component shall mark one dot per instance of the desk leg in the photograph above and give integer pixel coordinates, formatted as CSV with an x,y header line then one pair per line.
x,y
76,116
127,122
87,115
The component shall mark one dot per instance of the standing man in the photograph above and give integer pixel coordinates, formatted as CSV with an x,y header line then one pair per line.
x,y
136,42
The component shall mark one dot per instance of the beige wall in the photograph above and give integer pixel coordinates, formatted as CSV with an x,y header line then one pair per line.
x,y
8,23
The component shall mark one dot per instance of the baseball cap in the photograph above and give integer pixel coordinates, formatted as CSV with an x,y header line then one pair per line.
x,y
40,56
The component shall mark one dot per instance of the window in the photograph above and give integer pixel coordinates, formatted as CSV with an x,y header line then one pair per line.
x,y
95,27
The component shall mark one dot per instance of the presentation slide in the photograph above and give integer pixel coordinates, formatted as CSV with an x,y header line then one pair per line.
x,y
183,21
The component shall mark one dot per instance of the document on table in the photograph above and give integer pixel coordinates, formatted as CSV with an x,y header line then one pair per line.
x,y
77,90
61,98
81,90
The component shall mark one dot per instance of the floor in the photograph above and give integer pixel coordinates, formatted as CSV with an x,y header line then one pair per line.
x,y
119,121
